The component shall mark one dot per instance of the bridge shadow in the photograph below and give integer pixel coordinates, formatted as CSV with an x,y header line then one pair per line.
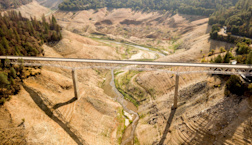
x,y
41,104
167,127
228,128
56,106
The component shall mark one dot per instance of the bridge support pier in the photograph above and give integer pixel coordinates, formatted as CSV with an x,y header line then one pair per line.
x,y
176,93
75,84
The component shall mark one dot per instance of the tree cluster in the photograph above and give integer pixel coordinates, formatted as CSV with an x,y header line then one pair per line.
x,y
214,34
243,54
226,59
195,7
238,19
234,85
7,4
23,37
8,81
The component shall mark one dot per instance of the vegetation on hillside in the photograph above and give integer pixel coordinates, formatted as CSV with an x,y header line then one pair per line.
x,y
195,7
22,37
130,93
235,85
7,4
238,19
242,54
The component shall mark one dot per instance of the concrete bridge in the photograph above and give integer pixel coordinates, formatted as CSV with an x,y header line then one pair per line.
x,y
225,69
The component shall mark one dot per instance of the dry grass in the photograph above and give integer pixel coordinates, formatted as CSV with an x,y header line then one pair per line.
x,y
94,115
151,29
204,114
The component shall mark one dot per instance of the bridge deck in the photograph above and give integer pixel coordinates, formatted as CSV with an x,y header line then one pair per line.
x,y
228,66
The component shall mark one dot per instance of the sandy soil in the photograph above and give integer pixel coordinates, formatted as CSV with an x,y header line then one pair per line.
x,y
153,29
51,114
33,9
204,115
76,46
157,116
143,55
194,42
52,4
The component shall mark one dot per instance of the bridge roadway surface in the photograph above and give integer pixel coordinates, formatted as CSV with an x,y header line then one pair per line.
x,y
228,66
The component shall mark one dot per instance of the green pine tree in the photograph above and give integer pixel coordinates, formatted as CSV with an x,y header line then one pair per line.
x,y
249,58
3,80
2,50
218,59
13,73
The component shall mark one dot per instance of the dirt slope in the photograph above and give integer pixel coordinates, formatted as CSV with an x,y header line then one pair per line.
x,y
46,102
204,116
33,9
52,4
53,116
146,28
76,46
187,35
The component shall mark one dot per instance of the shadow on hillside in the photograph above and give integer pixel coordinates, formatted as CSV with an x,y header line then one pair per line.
x,y
209,28
167,127
220,122
37,99
192,18
228,122
56,106
215,44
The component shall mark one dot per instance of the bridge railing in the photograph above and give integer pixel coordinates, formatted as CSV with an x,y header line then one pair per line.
x,y
175,71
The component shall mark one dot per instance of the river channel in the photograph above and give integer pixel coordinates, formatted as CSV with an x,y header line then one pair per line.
x,y
124,103
128,107
144,52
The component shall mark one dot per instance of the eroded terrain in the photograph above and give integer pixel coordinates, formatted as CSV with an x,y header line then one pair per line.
x,y
46,112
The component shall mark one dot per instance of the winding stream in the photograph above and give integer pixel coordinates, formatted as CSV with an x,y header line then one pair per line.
x,y
123,102
135,46
120,98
